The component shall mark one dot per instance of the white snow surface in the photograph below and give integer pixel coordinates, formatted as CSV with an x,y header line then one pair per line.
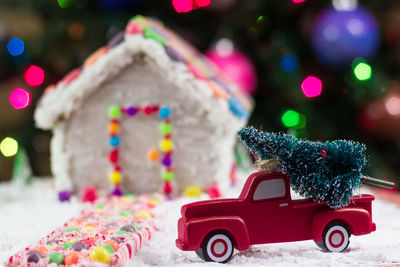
x,y
29,213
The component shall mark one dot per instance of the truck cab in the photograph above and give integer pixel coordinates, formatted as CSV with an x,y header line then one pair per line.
x,y
265,213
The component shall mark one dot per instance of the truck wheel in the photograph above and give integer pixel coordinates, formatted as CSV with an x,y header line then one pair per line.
x,y
200,253
218,247
336,237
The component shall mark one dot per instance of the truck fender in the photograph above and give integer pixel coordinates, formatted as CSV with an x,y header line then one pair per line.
x,y
357,221
234,226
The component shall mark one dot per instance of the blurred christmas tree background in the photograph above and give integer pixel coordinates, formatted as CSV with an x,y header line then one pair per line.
x,y
325,69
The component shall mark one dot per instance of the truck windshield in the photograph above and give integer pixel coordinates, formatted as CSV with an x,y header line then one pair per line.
x,y
270,189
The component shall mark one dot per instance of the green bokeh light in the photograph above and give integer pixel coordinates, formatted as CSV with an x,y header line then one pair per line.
x,y
362,71
290,118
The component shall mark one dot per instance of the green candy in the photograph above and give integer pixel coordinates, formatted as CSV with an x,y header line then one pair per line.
x,y
126,213
67,245
168,176
130,195
114,112
165,128
150,34
121,232
71,230
100,207
134,226
139,19
56,257
109,248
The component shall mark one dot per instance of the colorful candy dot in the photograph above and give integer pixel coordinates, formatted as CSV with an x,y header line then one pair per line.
x,y
167,161
100,254
116,192
165,128
33,256
153,155
134,28
56,257
89,194
164,112
114,141
128,228
71,230
67,245
166,145
79,245
213,191
122,232
64,195
113,128
150,34
109,248
144,214
168,176
112,243
113,157
131,111
72,258
115,177
193,191
167,188
126,213
147,110
114,112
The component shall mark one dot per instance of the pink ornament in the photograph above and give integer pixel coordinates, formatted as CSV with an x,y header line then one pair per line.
x,y
235,65
213,191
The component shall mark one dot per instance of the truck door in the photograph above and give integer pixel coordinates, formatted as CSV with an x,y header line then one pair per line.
x,y
269,210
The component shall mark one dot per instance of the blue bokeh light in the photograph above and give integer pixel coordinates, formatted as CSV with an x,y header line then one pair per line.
x,y
15,46
289,63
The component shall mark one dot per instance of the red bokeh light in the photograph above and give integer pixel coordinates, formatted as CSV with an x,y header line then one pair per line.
x,y
183,6
311,86
34,75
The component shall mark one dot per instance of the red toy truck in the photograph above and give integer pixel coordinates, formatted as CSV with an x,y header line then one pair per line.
x,y
265,213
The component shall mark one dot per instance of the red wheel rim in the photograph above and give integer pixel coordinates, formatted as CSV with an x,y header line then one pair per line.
x,y
213,247
334,235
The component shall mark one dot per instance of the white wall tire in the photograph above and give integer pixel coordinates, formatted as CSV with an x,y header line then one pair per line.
x,y
336,238
218,248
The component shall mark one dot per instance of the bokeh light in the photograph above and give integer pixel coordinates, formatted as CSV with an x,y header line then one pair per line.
x,y
392,105
362,71
298,1
9,147
15,46
289,63
76,31
311,86
64,3
203,3
182,6
290,118
34,75
20,98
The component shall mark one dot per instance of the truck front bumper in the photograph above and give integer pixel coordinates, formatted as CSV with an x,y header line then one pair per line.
x,y
373,227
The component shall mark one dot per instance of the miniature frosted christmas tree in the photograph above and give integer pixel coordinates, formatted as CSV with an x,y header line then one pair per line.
x,y
323,171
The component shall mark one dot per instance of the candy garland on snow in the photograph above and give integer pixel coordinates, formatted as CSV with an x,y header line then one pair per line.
x,y
110,232
323,171
166,145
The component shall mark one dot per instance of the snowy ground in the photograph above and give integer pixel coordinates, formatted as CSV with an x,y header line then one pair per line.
x,y
26,214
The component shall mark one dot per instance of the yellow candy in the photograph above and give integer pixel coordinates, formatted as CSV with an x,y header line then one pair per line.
x,y
100,254
115,177
89,228
166,145
153,202
144,214
193,191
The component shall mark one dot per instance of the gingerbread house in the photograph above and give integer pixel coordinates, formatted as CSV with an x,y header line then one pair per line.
x,y
145,112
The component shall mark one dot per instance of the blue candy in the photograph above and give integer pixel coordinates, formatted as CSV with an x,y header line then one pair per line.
x,y
164,112
114,141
